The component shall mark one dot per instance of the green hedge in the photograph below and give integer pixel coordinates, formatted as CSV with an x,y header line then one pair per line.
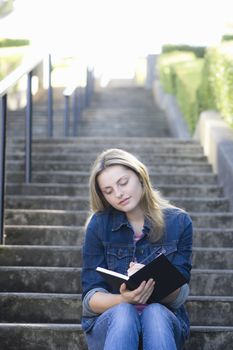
x,y
4,42
199,51
6,7
227,37
200,84
188,80
8,64
216,91
167,64
180,75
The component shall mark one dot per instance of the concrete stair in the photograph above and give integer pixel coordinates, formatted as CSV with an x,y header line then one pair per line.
x,y
40,289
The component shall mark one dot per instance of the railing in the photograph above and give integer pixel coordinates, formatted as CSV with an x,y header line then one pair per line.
x,y
80,98
5,85
75,93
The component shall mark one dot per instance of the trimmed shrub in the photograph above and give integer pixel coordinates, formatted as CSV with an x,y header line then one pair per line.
x,y
227,37
217,82
199,51
188,80
6,7
180,75
200,84
13,42
167,65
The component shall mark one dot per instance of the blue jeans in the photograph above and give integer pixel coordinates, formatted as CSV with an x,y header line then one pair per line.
x,y
121,328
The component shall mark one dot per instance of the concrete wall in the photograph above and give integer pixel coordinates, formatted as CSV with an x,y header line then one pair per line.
x,y
168,104
216,137
212,132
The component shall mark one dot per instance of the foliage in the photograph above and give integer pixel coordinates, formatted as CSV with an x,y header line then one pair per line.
x,y
167,64
216,89
6,7
4,42
200,84
8,64
188,80
227,37
11,58
199,51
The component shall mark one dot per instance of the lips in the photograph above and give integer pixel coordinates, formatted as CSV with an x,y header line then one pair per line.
x,y
124,201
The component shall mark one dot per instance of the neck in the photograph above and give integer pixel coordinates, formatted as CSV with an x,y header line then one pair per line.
x,y
136,216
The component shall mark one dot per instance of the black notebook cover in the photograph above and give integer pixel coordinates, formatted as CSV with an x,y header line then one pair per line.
x,y
167,278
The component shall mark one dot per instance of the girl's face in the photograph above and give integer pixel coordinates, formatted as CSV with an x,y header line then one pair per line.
x,y
121,188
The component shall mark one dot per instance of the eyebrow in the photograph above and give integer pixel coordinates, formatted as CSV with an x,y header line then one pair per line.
x,y
104,188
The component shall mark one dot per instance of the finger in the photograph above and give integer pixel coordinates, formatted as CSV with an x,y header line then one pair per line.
x,y
137,293
123,288
131,264
147,291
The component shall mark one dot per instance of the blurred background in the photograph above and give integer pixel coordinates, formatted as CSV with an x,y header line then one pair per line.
x,y
113,36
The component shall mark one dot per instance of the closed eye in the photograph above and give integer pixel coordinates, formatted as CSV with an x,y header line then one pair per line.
x,y
107,192
123,183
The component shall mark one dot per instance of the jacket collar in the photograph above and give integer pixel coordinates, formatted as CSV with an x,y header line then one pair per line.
x,y
120,219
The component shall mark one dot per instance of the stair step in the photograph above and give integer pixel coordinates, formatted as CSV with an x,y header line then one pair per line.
x,y
110,142
214,258
74,157
41,308
67,280
83,178
82,203
44,235
212,220
45,217
210,311
73,235
24,336
211,282
82,190
215,237
78,218
70,256
31,336
210,338
67,308
72,166
140,148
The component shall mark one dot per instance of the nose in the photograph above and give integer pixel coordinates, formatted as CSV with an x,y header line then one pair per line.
x,y
118,193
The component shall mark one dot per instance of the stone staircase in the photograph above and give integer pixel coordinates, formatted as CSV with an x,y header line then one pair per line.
x,y
40,289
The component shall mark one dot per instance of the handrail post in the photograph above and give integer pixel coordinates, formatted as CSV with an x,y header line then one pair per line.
x,y
75,112
2,163
87,87
50,98
66,116
28,131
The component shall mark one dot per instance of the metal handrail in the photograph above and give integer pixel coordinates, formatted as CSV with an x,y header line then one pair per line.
x,y
80,98
25,69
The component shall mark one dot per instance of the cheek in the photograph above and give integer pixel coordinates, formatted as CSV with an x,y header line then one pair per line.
x,y
137,190
109,199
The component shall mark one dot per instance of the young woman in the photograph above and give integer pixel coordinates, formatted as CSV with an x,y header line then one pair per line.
x,y
131,222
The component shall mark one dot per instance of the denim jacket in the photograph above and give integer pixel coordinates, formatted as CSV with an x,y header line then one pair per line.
x,y
109,243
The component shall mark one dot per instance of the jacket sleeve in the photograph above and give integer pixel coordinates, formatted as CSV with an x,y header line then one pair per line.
x,y
181,297
93,256
183,257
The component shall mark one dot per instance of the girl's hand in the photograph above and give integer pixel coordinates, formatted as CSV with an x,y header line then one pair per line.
x,y
139,295
134,267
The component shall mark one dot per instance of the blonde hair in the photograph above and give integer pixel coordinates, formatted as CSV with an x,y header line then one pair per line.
x,y
152,203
